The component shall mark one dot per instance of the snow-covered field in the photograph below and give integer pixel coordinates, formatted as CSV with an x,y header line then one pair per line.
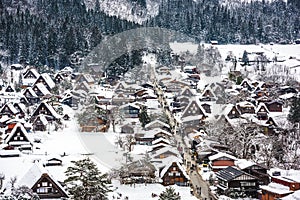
x,y
141,191
281,50
288,56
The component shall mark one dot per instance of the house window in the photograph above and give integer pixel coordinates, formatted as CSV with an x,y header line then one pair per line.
x,y
247,184
41,190
44,184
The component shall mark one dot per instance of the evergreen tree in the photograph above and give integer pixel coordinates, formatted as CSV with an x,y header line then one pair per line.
x,y
144,117
169,194
294,115
1,69
245,58
85,181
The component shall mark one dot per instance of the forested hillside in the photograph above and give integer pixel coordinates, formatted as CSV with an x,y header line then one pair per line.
x,y
59,33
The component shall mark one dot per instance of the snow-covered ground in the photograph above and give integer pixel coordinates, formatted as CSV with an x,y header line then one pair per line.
x,y
288,56
141,191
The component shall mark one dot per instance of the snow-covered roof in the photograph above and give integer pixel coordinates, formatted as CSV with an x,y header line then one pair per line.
x,y
151,133
10,107
33,71
159,140
46,77
260,106
11,134
221,154
43,119
42,88
14,152
286,175
169,164
50,108
166,149
34,174
30,90
295,195
159,122
243,163
276,188
245,104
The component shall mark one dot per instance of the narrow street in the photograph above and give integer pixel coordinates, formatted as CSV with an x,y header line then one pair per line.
x,y
200,187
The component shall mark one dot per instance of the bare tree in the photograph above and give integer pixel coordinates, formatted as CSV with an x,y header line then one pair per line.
x,y
240,137
130,140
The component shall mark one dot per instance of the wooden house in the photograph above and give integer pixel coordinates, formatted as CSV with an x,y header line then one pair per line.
x,y
31,73
270,126
18,136
58,78
274,106
29,77
262,112
40,90
53,161
21,109
208,95
122,99
206,107
140,171
165,152
274,191
9,153
175,86
231,111
173,173
183,101
9,88
193,109
130,110
127,129
85,78
157,124
9,110
46,80
47,110
246,84
292,181
246,107
31,96
187,92
83,86
192,117
150,135
257,170
232,180
158,146
221,161
40,123
43,184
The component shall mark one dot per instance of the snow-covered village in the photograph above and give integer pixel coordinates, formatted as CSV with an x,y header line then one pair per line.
x,y
117,109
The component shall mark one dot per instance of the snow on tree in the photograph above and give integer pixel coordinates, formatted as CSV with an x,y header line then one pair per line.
x,y
144,117
240,137
245,58
294,114
85,181
169,194
24,193
129,141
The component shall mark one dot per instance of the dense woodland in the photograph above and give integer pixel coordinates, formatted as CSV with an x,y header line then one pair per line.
x,y
59,33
